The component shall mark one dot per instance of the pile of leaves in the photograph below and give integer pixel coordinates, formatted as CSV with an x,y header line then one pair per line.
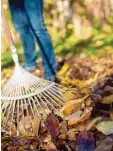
x,y
85,122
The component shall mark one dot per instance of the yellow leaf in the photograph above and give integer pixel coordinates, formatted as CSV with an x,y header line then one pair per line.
x,y
72,106
68,96
64,69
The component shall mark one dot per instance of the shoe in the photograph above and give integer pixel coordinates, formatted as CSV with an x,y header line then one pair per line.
x,y
31,69
54,79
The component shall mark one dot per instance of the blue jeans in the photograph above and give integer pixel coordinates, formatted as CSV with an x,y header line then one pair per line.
x,y
27,17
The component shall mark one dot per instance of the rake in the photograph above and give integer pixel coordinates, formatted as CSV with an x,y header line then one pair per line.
x,y
27,95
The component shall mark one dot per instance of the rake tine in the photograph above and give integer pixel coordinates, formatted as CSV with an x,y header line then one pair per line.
x,y
58,90
54,97
31,107
46,94
35,86
26,107
12,116
23,112
54,92
9,110
6,106
44,102
35,106
17,117
36,97
48,101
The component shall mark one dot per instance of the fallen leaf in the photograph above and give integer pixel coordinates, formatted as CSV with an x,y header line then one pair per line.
x,y
52,125
74,115
111,115
86,114
105,145
64,69
72,106
13,128
50,146
88,102
93,122
68,95
35,125
63,127
85,141
107,99
91,80
105,127
25,124
47,139
71,135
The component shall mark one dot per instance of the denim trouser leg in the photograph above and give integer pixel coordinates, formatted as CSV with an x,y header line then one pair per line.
x,y
21,24
34,9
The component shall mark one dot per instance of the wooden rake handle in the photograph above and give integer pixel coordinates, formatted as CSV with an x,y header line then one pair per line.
x,y
6,26
9,36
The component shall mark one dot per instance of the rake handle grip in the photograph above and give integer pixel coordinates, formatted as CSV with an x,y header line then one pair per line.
x,y
9,36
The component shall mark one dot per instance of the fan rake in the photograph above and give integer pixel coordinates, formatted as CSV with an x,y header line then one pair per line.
x,y
27,95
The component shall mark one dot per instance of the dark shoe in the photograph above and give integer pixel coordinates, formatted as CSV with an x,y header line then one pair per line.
x,y
54,79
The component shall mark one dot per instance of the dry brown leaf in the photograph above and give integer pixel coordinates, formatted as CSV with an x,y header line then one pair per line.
x,y
13,128
107,99
71,135
62,136
25,124
35,125
105,145
86,114
91,80
93,122
48,138
88,102
50,146
72,106
111,115
108,88
98,68
63,127
81,127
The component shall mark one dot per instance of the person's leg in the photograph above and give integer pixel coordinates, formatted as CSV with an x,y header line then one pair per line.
x,y
34,9
21,24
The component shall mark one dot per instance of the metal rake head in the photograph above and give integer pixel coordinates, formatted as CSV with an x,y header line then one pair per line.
x,y
27,95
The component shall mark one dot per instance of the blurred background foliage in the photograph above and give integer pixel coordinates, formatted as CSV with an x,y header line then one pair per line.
x,y
77,28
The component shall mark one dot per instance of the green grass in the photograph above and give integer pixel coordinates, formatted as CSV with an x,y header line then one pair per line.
x,y
100,42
